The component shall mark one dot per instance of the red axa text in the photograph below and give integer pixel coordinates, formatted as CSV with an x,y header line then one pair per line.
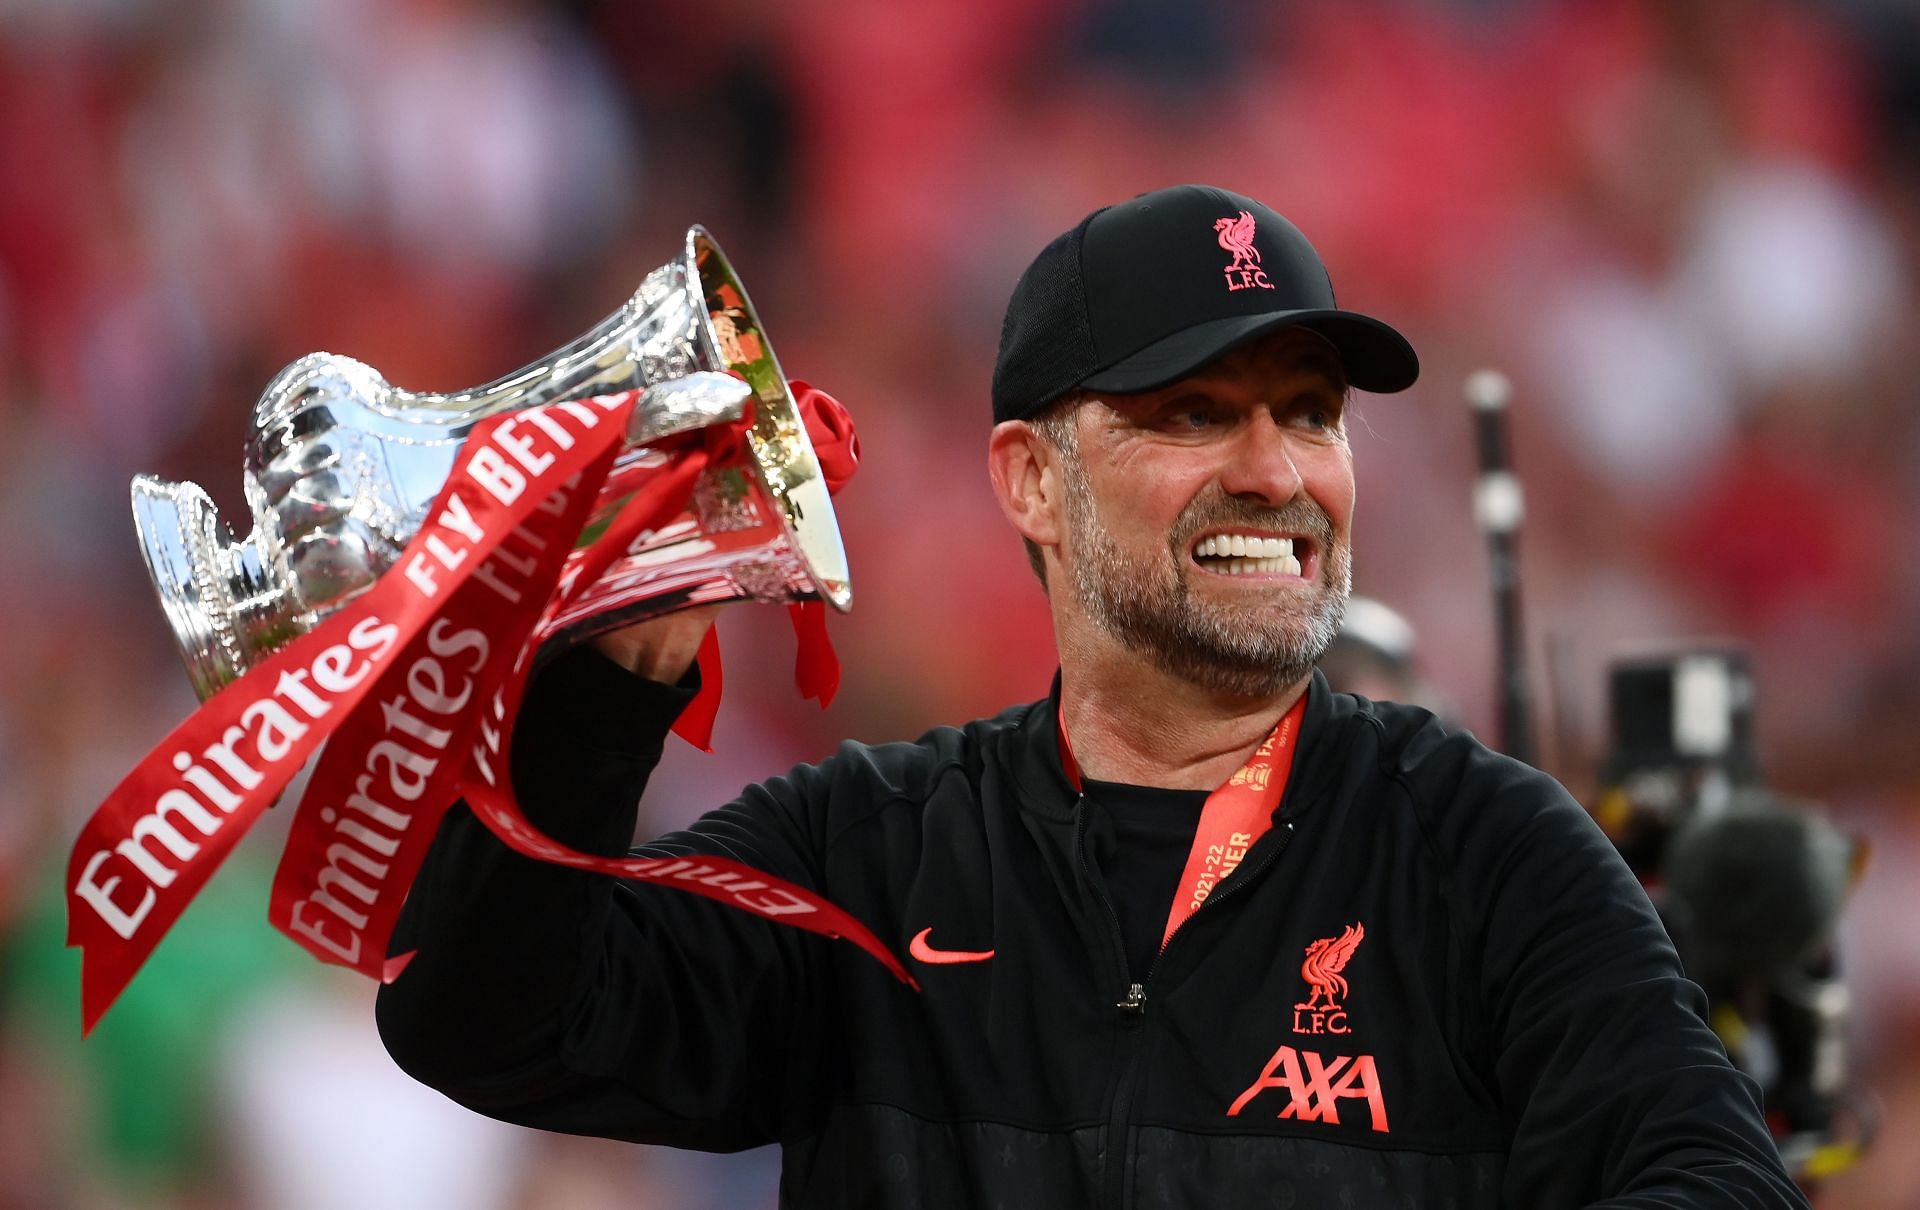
x,y
1315,1086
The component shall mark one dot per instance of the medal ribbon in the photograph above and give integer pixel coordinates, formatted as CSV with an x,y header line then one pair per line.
x,y
1236,814
415,681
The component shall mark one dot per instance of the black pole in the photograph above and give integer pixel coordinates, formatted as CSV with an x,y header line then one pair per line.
x,y
1498,508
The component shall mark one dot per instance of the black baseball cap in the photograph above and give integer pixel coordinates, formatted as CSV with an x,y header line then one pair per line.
x,y
1142,294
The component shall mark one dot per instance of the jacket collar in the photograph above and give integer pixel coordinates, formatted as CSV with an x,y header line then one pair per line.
x,y
1318,761
1031,752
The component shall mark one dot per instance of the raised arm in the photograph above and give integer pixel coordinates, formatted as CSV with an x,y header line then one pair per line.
x,y
583,1003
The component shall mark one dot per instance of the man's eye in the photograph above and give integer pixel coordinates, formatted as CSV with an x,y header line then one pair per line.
x,y
1195,420
1319,419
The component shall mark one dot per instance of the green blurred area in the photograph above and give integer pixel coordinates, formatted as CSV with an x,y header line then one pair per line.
x,y
146,1078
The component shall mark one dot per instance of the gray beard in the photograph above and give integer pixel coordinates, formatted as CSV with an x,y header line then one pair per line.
x,y
1148,604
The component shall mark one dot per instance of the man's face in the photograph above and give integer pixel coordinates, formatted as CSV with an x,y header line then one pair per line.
x,y
1209,522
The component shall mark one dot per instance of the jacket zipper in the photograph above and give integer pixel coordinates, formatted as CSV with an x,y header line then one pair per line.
x,y
1228,888
1133,1008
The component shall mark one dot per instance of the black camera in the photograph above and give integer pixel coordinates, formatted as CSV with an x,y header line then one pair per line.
x,y
1750,885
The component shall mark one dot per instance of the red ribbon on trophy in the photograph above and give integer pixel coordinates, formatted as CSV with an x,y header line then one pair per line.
x,y
416,682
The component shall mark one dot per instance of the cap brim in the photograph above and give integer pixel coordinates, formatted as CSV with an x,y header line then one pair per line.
x,y
1376,357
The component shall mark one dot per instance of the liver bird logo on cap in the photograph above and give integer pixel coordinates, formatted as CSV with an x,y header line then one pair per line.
x,y
1326,958
1236,236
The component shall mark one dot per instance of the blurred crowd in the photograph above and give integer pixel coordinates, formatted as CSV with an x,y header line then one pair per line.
x,y
1688,230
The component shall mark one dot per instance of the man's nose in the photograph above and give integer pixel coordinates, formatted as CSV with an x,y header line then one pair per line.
x,y
1262,464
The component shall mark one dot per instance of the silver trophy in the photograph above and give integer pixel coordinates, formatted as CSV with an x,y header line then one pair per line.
x,y
341,469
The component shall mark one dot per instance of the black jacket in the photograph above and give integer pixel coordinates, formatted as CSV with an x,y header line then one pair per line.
x,y
1513,1026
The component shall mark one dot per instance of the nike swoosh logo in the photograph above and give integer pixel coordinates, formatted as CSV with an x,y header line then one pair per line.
x,y
919,948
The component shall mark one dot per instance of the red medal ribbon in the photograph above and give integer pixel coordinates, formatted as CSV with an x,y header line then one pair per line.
x,y
817,669
1236,814
415,681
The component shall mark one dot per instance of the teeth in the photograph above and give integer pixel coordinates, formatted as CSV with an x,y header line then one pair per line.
x,y
1241,546
1232,566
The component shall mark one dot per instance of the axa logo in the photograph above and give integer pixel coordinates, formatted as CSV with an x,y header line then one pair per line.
x,y
1315,1086
1323,1012
1236,236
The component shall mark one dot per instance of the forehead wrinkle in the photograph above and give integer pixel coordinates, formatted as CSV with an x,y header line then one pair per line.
x,y
1286,352
1266,370
1269,365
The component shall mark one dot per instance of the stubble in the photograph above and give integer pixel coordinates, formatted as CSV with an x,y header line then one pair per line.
x,y
1148,603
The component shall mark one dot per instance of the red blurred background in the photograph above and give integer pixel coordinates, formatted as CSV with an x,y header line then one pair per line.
x,y
1687,229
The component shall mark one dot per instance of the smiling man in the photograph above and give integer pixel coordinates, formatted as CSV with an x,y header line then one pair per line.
x,y
1234,490
1191,931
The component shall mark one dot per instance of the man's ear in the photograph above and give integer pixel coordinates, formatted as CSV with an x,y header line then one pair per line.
x,y
1026,481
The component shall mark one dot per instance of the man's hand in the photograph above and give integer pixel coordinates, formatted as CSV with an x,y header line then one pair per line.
x,y
659,649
